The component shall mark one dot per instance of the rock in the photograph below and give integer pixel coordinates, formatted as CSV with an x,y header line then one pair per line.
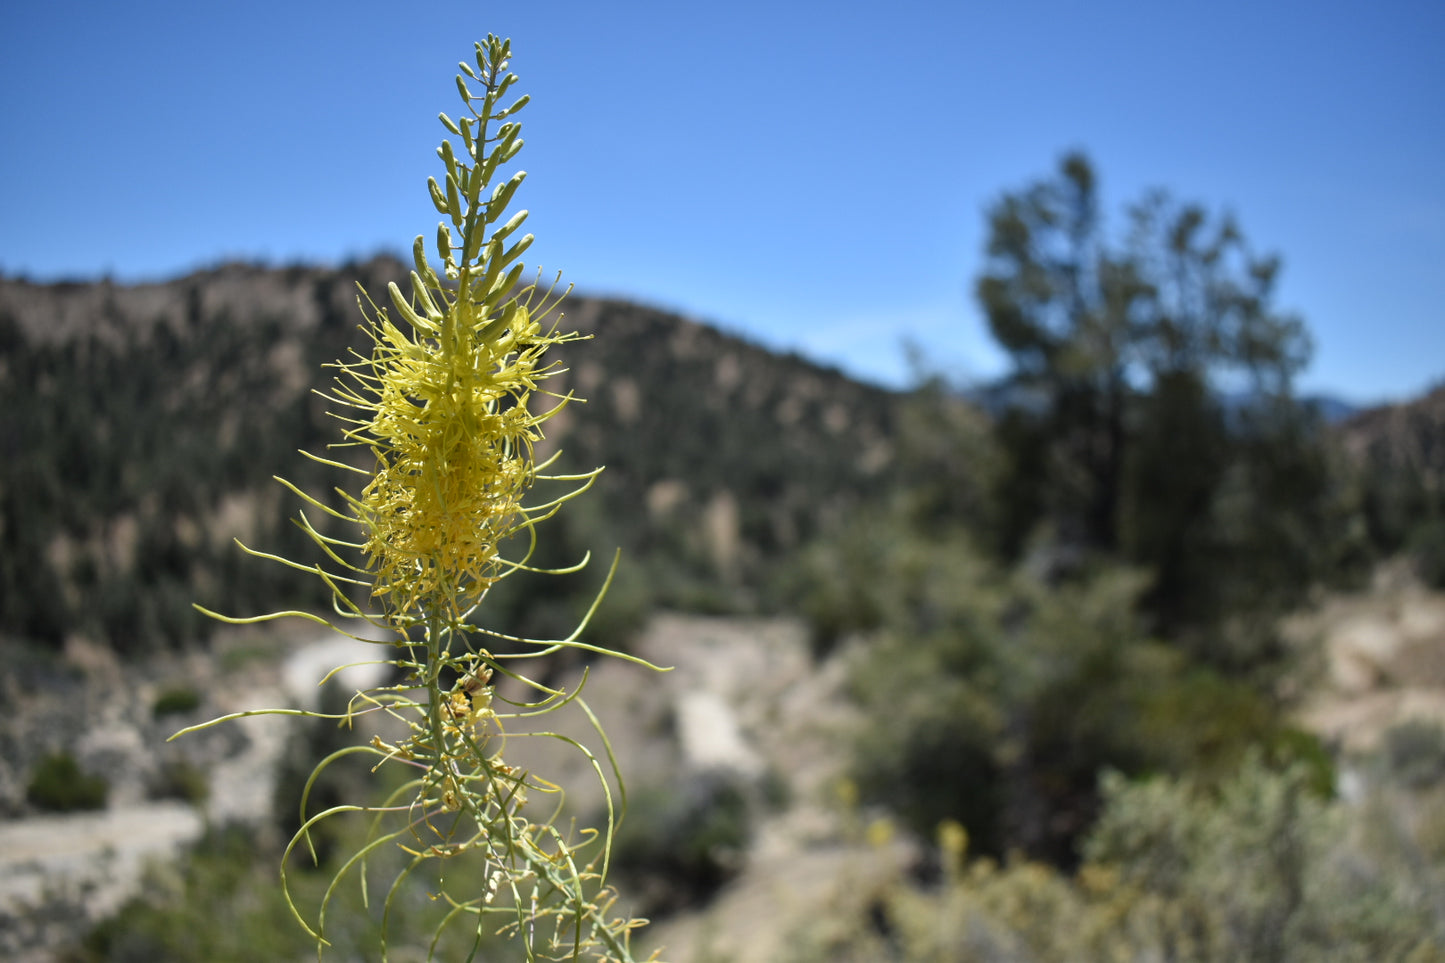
x,y
710,736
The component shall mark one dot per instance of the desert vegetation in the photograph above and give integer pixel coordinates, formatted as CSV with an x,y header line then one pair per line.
x,y
1029,689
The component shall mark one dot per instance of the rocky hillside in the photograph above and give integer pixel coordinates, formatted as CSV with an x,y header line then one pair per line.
x,y
776,775
1399,452
1406,438
140,426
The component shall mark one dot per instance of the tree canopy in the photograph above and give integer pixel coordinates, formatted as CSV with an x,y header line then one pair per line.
x,y
1149,414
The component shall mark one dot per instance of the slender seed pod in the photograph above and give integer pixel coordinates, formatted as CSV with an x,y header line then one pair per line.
x,y
437,197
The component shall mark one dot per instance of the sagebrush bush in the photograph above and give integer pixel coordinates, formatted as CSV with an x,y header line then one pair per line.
x,y
1255,866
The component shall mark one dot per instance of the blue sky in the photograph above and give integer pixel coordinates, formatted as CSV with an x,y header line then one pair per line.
x,y
812,176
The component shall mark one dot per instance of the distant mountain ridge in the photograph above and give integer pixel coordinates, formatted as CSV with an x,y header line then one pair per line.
x,y
1408,435
141,424
996,396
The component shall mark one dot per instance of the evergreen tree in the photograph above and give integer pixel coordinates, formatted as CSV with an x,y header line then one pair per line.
x,y
1149,416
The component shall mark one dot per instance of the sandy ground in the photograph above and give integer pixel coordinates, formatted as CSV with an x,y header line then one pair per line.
x,y
1383,660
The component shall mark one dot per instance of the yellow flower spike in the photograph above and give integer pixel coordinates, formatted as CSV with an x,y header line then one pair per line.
x,y
443,402
453,437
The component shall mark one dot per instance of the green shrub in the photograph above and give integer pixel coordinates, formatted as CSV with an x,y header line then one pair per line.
x,y
220,904
1254,868
1414,753
1253,865
676,848
1427,550
176,701
1005,697
181,780
57,784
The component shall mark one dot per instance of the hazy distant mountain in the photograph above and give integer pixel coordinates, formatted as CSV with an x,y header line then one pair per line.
x,y
1332,409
